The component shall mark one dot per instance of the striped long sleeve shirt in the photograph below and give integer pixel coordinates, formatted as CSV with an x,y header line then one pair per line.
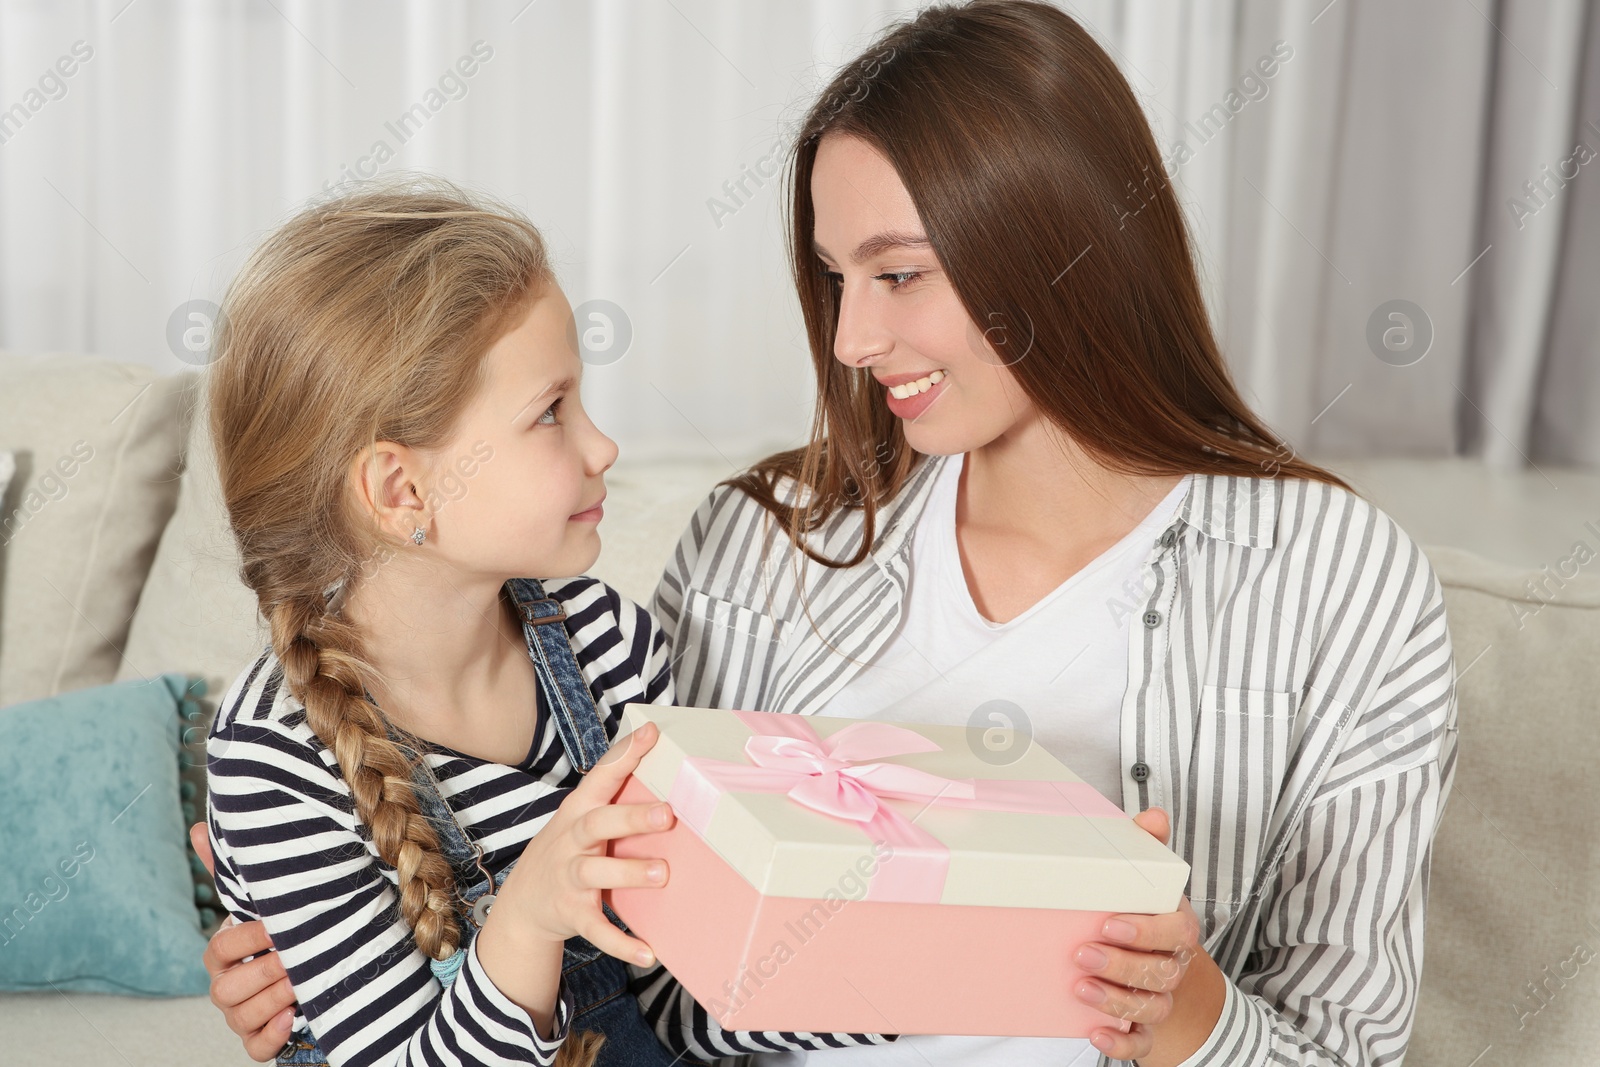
x,y
1290,703
291,852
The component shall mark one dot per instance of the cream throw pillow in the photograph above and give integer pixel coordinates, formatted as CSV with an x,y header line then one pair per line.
x,y
96,450
196,615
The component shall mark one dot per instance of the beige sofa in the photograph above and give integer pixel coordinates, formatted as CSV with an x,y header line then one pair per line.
x,y
128,572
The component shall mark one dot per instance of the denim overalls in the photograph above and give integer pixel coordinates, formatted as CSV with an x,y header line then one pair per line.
x,y
598,982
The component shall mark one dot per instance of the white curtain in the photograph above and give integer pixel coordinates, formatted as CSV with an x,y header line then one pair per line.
x,y
1373,164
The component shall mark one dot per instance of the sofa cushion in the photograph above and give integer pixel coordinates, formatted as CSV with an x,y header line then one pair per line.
x,y
96,886
1512,952
196,615
97,446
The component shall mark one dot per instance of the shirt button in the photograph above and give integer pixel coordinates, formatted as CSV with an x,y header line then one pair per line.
x,y
1140,772
1152,619
1169,537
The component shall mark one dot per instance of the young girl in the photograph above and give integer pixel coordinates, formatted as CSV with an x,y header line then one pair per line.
x,y
400,441
398,434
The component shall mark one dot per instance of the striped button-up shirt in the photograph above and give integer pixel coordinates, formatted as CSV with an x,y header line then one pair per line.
x,y
1291,703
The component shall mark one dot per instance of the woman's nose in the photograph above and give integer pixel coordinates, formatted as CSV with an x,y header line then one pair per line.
x,y
861,335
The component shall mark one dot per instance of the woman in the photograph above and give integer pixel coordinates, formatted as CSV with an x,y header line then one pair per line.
x,y
1032,493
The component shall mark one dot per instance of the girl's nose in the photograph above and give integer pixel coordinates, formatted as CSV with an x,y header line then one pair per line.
x,y
603,453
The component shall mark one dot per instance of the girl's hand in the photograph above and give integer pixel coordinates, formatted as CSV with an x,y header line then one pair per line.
x,y
553,892
1152,971
255,995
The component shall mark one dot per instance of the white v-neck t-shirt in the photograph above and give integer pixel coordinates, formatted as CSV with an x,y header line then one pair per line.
x,y
1057,672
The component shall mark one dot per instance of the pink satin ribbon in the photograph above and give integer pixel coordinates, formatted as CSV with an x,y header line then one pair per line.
x,y
833,776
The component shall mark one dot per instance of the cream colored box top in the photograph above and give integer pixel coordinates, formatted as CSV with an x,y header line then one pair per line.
x,y
1091,862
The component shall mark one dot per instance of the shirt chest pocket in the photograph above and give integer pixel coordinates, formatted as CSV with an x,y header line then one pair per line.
x,y
725,653
1241,752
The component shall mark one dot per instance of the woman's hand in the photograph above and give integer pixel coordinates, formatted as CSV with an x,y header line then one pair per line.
x,y
553,892
1151,970
255,995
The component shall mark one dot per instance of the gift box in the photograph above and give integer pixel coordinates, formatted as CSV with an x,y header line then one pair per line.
x,y
837,875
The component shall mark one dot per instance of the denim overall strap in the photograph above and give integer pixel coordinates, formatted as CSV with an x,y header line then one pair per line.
x,y
565,695
565,692
452,839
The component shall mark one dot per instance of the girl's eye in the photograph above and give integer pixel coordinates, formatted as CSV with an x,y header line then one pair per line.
x,y
832,277
549,416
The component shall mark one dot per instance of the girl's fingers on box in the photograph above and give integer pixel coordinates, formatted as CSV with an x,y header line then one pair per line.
x,y
610,821
613,942
609,872
624,754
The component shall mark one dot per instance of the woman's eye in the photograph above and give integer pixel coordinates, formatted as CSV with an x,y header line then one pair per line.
x,y
549,416
895,278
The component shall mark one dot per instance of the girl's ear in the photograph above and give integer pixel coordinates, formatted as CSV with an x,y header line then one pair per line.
x,y
385,477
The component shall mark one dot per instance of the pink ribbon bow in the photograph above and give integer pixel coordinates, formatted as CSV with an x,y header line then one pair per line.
x,y
836,781
835,776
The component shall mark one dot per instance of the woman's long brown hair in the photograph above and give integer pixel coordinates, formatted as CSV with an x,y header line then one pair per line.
x,y
1044,195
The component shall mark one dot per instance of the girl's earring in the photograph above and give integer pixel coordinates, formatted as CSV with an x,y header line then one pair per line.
x,y
418,536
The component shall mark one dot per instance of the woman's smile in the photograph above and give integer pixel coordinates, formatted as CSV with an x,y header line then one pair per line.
x,y
909,396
